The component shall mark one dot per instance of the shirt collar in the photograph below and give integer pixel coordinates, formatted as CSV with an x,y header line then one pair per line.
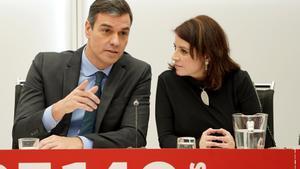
x,y
88,69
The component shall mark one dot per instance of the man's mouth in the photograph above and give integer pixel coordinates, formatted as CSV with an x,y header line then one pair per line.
x,y
112,51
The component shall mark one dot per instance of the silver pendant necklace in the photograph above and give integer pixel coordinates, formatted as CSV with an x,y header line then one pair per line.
x,y
204,97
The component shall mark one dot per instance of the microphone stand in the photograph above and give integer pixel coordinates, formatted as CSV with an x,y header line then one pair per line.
x,y
136,104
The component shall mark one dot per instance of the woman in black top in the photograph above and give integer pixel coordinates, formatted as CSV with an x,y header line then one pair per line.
x,y
204,87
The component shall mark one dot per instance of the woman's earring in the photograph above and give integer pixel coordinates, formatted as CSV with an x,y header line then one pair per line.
x,y
172,62
206,65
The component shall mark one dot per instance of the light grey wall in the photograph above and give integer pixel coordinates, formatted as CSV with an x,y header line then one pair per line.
x,y
263,35
27,27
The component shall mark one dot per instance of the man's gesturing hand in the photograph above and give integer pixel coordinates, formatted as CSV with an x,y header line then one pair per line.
x,y
77,99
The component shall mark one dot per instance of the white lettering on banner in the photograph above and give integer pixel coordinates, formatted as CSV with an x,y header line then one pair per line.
x,y
159,164
2,167
114,165
75,166
118,165
34,165
200,165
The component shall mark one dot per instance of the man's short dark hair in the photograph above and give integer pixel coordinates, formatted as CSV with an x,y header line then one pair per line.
x,y
114,7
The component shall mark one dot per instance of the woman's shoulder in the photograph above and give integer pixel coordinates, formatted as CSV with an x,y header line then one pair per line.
x,y
239,79
239,75
168,74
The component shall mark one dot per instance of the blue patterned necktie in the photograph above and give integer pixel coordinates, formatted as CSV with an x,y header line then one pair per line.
x,y
89,118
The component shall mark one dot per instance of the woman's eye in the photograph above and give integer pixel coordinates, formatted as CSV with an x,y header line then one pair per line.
x,y
184,51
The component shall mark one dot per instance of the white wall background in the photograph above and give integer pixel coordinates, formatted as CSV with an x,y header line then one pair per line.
x,y
27,27
263,35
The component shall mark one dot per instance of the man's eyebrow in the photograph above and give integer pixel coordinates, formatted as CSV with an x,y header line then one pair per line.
x,y
105,25
109,26
126,29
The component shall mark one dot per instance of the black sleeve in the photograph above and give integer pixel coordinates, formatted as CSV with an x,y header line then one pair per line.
x,y
164,117
247,98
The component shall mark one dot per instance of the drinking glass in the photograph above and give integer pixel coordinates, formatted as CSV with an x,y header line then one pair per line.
x,y
186,142
28,143
250,130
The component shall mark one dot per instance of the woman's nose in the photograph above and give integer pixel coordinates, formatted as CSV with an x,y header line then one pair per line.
x,y
175,57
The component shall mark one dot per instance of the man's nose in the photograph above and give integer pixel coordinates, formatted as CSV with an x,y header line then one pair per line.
x,y
115,40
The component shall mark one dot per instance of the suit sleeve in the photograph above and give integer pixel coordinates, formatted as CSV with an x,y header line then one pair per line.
x,y
126,135
164,117
31,105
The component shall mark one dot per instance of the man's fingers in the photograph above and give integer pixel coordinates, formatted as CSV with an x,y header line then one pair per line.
x,y
84,107
90,94
87,101
94,89
82,85
47,146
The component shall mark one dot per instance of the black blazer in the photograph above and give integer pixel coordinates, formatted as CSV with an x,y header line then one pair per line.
x,y
52,76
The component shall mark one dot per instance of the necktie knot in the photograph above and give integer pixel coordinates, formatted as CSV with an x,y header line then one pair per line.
x,y
99,77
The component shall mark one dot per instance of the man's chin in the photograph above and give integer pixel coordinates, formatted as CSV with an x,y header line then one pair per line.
x,y
112,60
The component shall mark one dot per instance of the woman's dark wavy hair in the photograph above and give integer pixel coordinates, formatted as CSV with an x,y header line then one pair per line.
x,y
207,38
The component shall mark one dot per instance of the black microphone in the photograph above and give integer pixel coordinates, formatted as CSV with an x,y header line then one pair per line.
x,y
136,103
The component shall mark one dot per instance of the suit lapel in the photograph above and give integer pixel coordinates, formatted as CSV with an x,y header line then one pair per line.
x,y
71,73
70,81
110,87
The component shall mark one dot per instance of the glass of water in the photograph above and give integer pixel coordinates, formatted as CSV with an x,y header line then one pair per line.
x,y
186,142
28,143
250,130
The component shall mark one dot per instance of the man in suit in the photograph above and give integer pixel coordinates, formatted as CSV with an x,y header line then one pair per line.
x,y
60,89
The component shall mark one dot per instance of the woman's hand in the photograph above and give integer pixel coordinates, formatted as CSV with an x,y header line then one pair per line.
x,y
210,140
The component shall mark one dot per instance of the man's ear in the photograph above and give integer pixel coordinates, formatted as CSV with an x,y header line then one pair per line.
x,y
88,29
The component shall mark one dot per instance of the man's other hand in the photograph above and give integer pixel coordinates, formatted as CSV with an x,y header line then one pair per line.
x,y
60,142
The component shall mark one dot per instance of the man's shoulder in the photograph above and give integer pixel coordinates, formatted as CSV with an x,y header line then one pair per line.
x,y
58,59
55,55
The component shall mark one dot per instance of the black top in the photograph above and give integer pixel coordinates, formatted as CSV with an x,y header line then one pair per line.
x,y
181,112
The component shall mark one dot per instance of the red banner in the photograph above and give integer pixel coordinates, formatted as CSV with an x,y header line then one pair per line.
x,y
297,159
149,159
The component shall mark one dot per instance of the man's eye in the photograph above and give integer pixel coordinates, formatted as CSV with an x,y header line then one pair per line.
x,y
105,30
124,33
